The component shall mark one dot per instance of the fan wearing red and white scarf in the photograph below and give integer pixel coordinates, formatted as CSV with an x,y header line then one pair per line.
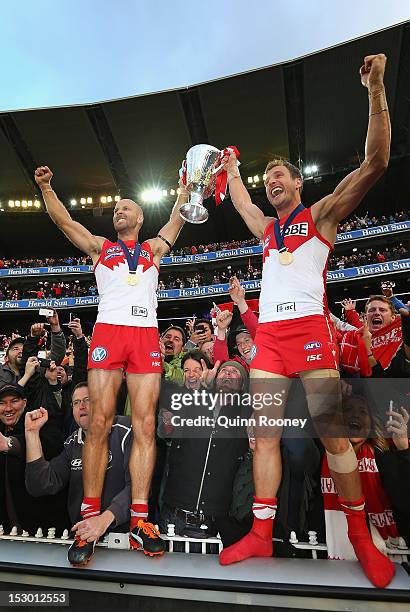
x,y
378,506
386,339
360,426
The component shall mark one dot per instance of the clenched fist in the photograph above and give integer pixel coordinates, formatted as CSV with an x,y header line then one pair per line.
x,y
35,419
372,71
43,176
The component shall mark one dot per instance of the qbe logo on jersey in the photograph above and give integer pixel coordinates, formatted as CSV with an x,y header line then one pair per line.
x,y
99,354
297,229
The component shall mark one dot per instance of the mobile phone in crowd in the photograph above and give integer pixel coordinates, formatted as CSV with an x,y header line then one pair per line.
x,y
42,359
72,316
391,407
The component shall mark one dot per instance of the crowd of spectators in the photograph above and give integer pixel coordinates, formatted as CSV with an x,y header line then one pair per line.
x,y
361,222
37,262
361,257
356,222
202,485
41,290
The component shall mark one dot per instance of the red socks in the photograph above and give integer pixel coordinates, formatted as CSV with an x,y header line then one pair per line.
x,y
138,511
377,567
91,506
258,542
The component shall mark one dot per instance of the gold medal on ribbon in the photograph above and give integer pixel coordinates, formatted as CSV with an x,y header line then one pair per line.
x,y
285,258
132,278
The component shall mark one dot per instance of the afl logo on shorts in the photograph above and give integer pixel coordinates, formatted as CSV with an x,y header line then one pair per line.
x,y
99,354
253,351
312,346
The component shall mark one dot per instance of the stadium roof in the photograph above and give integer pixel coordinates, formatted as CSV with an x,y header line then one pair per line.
x,y
313,111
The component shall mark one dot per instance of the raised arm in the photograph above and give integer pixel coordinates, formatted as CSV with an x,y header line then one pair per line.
x,y
250,213
75,232
328,212
169,233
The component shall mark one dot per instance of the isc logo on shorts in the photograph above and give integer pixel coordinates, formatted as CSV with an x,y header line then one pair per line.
x,y
297,229
99,354
317,357
312,346
253,351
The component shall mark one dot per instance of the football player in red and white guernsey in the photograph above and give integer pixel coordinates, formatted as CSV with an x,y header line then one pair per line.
x,y
294,336
125,338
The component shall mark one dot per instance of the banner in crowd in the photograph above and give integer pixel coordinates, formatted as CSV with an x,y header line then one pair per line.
x,y
333,276
246,251
368,232
46,270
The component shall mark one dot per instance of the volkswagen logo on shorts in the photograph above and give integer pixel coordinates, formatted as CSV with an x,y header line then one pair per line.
x,y
99,354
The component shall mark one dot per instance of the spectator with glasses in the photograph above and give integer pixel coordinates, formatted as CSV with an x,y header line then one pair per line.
x,y
49,477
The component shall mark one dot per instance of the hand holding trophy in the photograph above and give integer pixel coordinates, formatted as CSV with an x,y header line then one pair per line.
x,y
202,174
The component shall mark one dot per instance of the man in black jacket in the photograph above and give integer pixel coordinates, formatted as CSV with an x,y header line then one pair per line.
x,y
17,507
49,477
203,460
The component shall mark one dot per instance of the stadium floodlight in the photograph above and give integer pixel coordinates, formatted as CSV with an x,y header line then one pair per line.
x,y
24,203
172,192
30,203
17,203
73,202
256,179
83,201
89,200
151,196
314,168
37,203
164,192
250,179
307,170
11,203
103,199
109,199
117,198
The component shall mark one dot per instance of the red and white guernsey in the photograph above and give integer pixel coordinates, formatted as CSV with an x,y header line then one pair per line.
x,y
297,290
121,303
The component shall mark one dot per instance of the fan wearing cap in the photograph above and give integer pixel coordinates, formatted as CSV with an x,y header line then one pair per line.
x,y
244,334
232,376
243,341
12,405
10,370
17,507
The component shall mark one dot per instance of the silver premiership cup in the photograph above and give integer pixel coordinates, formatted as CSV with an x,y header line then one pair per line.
x,y
202,162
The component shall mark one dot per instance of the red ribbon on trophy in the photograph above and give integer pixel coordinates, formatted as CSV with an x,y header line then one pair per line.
x,y
182,172
222,177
